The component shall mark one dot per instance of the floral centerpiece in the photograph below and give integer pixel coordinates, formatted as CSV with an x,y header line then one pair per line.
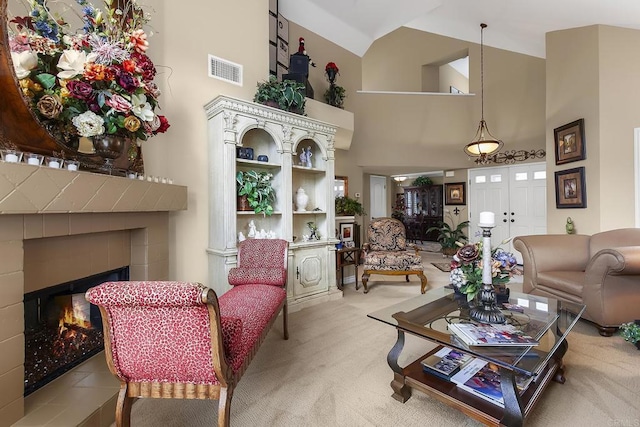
x,y
95,81
334,95
466,268
331,70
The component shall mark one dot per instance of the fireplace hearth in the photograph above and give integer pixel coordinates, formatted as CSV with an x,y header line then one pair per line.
x,y
62,329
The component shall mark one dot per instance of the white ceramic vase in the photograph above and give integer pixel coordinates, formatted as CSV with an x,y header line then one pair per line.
x,y
302,199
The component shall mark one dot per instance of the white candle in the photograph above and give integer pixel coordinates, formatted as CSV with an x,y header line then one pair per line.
x,y
11,158
487,219
141,177
54,164
132,175
72,167
33,161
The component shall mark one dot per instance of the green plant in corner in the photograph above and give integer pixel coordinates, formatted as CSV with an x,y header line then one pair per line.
x,y
258,189
631,332
335,95
449,236
347,206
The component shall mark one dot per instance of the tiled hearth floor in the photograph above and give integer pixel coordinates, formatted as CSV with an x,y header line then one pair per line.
x,y
85,396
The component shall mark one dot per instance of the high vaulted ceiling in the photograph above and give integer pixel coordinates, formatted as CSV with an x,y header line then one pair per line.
x,y
515,25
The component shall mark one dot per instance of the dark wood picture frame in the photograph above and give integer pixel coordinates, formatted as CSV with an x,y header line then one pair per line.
x,y
283,28
273,29
571,190
569,142
454,193
347,228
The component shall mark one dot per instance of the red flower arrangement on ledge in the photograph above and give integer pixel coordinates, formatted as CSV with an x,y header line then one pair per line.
x,y
91,82
335,94
331,70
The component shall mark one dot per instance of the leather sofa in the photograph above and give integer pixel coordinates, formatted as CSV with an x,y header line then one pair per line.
x,y
601,271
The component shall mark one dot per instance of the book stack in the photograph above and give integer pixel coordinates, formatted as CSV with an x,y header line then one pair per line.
x,y
485,334
445,362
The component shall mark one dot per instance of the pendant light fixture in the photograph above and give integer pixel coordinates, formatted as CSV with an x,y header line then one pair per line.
x,y
483,144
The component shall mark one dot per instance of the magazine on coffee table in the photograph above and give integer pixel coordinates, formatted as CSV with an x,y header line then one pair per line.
x,y
445,362
484,334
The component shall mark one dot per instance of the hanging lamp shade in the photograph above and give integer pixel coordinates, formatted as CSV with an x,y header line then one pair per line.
x,y
483,143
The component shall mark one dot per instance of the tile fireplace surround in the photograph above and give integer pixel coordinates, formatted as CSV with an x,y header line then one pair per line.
x,y
57,226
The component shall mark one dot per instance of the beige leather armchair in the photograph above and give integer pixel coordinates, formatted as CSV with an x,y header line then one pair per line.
x,y
601,271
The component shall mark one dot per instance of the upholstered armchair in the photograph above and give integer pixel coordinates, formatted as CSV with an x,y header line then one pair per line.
x,y
601,271
387,253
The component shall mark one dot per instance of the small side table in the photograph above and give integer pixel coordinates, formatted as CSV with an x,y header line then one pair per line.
x,y
344,257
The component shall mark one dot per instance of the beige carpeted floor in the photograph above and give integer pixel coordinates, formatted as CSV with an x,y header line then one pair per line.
x,y
333,372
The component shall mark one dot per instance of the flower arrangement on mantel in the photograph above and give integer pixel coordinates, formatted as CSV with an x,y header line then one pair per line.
x,y
93,81
466,268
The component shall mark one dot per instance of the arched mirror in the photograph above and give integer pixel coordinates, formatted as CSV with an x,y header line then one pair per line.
x,y
341,186
62,97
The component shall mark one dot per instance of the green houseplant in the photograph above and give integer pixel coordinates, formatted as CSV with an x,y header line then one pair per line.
x,y
335,95
347,206
257,188
287,95
421,181
631,332
449,236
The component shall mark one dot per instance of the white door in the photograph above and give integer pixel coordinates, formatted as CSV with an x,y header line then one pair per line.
x,y
378,187
489,192
517,196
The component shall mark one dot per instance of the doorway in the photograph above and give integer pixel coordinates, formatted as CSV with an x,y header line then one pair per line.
x,y
518,197
378,201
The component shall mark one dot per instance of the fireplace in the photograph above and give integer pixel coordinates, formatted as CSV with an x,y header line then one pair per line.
x,y
61,328
57,226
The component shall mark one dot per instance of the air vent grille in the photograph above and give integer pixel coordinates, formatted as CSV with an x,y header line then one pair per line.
x,y
225,70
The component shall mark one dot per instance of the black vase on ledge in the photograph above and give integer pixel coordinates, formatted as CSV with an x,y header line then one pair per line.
x,y
109,147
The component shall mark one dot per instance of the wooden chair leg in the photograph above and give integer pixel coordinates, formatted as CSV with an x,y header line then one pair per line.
x,y
406,277
224,407
423,283
285,321
365,279
123,407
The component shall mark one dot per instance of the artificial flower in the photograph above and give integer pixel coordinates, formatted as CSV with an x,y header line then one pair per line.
x,y
466,268
23,62
92,80
71,63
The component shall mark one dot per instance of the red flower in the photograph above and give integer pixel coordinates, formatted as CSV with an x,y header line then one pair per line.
x,y
331,66
164,125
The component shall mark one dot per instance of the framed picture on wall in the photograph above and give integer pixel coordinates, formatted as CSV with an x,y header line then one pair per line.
x,y
281,70
273,29
571,191
273,7
283,28
283,52
346,231
454,193
273,63
569,142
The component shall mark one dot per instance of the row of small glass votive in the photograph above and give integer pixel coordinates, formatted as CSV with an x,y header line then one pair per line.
x,y
14,156
150,178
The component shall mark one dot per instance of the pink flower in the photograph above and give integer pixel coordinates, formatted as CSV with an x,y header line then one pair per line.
x,y
118,103
139,40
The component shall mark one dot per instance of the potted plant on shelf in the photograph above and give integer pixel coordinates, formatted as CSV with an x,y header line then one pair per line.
x,y
631,332
449,236
287,95
422,181
335,94
348,206
255,187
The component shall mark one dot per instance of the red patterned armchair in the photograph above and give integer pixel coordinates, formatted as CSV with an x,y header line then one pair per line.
x,y
179,340
388,253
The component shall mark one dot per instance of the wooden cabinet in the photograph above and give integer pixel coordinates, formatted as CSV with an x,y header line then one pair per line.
x,y
423,209
281,137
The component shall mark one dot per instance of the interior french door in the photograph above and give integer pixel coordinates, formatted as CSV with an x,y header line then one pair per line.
x,y
518,197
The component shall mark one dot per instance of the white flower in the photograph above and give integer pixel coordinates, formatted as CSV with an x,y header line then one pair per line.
x,y
72,63
89,124
142,108
24,62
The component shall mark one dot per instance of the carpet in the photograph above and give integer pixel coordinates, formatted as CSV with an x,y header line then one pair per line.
x,y
333,372
442,266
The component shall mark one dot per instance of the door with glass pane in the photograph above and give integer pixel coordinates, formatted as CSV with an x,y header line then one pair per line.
x,y
517,196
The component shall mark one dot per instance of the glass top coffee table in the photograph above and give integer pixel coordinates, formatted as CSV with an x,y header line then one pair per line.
x,y
428,316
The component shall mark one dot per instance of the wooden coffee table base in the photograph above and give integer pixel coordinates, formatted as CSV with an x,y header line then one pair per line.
x,y
517,406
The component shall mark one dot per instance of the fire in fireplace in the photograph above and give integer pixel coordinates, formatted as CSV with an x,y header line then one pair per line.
x,y
62,329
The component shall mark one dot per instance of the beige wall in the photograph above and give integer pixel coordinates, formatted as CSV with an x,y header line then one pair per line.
x,y
591,75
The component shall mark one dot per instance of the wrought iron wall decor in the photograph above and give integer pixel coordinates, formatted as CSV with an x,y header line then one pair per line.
x,y
512,156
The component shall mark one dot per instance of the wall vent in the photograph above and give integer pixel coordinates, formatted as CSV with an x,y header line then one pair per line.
x,y
225,70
